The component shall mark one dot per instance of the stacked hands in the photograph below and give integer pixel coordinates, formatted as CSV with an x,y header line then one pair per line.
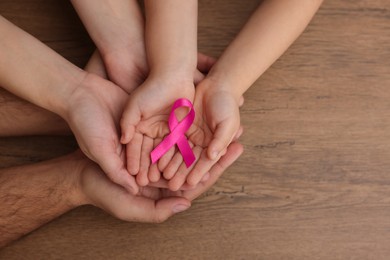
x,y
98,105
117,124
95,109
144,125
118,108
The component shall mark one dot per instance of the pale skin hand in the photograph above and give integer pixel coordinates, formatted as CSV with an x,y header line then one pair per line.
x,y
146,138
90,105
267,34
26,192
117,28
171,51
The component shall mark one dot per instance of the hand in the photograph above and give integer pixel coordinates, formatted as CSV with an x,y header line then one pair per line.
x,y
127,67
145,119
94,109
151,204
216,124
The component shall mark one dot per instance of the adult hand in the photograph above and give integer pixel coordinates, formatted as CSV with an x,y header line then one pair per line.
x,y
150,204
94,109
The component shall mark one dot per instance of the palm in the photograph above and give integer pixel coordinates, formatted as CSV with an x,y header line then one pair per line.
x,y
216,124
96,106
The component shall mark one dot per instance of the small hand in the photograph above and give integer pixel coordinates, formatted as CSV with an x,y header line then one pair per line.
x,y
145,119
216,124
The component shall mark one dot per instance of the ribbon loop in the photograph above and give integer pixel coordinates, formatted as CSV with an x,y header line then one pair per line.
x,y
177,134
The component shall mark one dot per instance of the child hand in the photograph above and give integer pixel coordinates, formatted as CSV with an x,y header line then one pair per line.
x,y
145,118
154,124
217,122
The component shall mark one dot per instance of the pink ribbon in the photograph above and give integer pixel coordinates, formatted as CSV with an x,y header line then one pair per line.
x,y
177,134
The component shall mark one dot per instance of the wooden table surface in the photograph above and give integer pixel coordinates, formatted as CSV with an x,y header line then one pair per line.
x,y
313,182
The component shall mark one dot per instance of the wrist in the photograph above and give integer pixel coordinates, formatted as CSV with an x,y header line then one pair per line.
x,y
214,86
58,101
176,79
75,165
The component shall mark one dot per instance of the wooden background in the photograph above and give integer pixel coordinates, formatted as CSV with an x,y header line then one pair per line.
x,y
314,180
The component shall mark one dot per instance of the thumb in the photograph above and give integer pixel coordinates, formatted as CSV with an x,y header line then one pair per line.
x,y
130,118
198,77
115,170
223,136
148,210
205,63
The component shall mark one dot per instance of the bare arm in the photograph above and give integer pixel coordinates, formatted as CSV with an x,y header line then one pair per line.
x,y
33,195
33,71
269,32
171,36
117,28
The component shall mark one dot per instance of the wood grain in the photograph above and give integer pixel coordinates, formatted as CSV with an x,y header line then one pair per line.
x,y
314,180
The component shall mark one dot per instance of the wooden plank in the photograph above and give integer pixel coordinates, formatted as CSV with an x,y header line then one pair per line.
x,y
313,182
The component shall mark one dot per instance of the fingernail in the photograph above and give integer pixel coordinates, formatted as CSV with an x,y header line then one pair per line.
x,y
206,177
214,155
180,208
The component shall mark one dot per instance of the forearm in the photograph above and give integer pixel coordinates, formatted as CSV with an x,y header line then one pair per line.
x,y
32,195
114,25
21,118
171,36
269,32
34,72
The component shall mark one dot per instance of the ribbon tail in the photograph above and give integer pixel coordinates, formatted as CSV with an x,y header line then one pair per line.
x,y
163,147
186,151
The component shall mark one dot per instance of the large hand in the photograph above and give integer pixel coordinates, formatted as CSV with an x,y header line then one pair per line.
x,y
150,204
94,110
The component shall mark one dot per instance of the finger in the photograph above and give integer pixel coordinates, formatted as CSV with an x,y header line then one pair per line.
x,y
154,174
133,153
234,151
205,62
223,136
130,118
163,184
173,166
147,210
181,175
147,147
150,192
198,77
114,168
96,66
206,177
203,165
239,132
241,101
166,158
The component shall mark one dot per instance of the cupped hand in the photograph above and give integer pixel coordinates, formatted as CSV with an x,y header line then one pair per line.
x,y
216,124
151,204
145,119
94,110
